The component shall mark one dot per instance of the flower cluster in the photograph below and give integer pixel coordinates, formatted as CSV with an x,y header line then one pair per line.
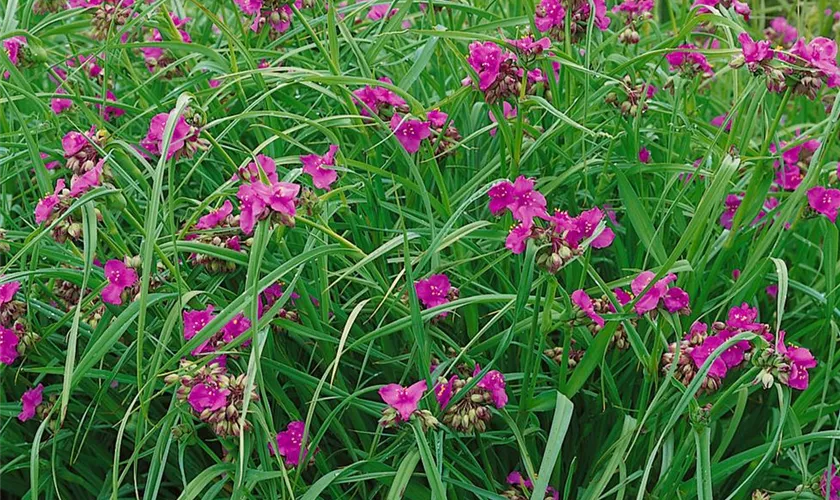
x,y
661,295
215,395
274,13
471,413
588,313
550,18
689,61
632,97
156,58
379,101
740,8
186,135
635,12
260,200
785,364
220,228
196,320
435,291
402,405
521,488
502,73
15,337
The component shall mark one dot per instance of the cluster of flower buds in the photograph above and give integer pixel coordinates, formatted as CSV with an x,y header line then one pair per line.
x,y
689,355
447,136
785,364
689,62
15,337
500,75
471,413
109,17
556,354
215,395
635,12
383,102
158,59
81,150
186,135
632,97
561,241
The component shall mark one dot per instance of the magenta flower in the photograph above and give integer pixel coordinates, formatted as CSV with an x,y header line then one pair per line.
x,y
583,226
689,61
90,179
518,237
800,360
46,206
437,118
782,31
821,55
650,300
215,217
582,300
236,327
701,353
119,277
290,443
8,346
825,201
520,197
740,7
675,299
508,111
314,166
257,198
434,291
403,399
485,58
110,112
754,52
516,479
59,104
194,321
527,46
721,121
182,135
73,142
207,397
494,383
443,392
549,14
410,132
830,486
377,98
644,155
8,291
30,400
772,291
249,7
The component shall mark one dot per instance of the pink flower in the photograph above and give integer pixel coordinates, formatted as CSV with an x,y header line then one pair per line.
x,y
508,111
494,383
434,291
701,353
675,299
410,132
800,360
46,206
689,61
8,291
786,33
257,198
523,201
443,392
485,58
377,97
215,217
249,7
516,479
634,8
644,155
30,400
739,7
755,52
528,46
290,443
90,179
59,104
830,486
194,322
182,134
772,291
403,399
314,166
582,300
8,346
583,226
110,112
518,237
650,300
743,318
73,142
825,201
549,14
380,11
236,327
437,118
721,121
207,397
265,164
820,54
119,277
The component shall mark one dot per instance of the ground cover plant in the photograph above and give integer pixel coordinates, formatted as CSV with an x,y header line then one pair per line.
x,y
446,249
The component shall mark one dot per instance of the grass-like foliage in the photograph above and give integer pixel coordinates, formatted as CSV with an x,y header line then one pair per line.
x,y
443,249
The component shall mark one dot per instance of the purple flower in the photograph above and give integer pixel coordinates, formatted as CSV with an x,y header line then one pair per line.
x,y
119,277
437,118
290,443
73,142
494,383
583,226
410,132
549,14
821,55
701,353
783,31
182,133
30,400
650,300
58,104
721,121
236,327
689,61
508,111
825,201
523,201
314,166
743,318
485,58
8,346
90,179
433,291
830,486
46,206
8,291
249,7
675,299
755,52
528,46
207,397
518,237
403,399
644,155
215,217
800,360
582,300
194,321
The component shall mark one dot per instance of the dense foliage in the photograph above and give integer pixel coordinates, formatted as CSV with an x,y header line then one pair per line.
x,y
465,249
